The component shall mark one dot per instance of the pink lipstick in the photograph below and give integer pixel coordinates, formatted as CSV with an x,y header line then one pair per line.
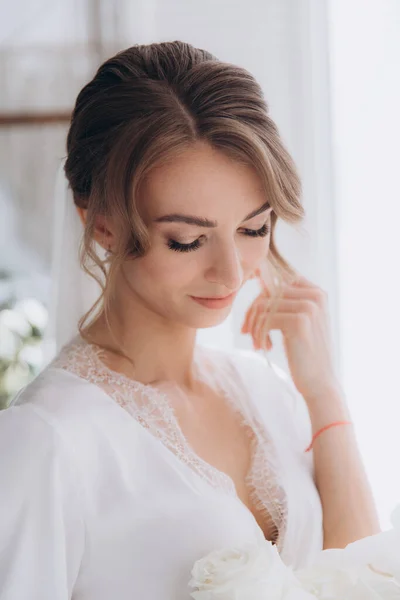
x,y
215,302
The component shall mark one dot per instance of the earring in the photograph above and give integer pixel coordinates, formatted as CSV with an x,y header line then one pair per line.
x,y
109,251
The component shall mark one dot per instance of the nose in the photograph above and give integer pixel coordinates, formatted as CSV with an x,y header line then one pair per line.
x,y
226,267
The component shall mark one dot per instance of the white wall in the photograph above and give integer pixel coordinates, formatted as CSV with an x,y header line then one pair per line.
x,y
365,37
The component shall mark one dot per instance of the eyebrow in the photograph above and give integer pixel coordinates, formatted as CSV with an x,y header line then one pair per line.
x,y
202,222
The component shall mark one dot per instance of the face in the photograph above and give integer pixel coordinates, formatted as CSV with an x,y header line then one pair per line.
x,y
209,222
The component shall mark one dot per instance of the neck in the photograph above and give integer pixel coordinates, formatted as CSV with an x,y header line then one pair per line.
x,y
158,350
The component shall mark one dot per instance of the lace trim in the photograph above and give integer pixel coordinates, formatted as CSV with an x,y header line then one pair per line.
x,y
267,495
150,407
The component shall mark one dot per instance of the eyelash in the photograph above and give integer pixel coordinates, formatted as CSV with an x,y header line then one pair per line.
x,y
174,245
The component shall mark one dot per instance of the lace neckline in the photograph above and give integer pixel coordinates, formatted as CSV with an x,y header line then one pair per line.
x,y
147,403
96,353
150,406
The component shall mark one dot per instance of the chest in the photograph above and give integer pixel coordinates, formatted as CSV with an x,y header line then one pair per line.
x,y
219,435
144,533
151,518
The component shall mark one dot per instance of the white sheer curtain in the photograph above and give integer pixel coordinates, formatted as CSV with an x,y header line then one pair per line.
x,y
284,43
365,63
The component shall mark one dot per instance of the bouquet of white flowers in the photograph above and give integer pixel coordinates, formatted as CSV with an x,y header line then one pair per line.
x,y
368,569
22,325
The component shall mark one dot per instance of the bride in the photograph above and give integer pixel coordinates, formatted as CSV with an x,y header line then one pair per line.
x,y
138,450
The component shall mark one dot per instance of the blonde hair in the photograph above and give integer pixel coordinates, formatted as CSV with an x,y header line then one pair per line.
x,y
142,107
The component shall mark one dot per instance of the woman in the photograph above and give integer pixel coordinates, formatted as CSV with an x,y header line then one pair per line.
x,y
137,450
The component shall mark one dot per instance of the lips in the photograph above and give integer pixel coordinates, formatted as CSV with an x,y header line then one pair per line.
x,y
215,301
212,297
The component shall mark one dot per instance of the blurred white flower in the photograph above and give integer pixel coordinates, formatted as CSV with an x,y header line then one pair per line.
x,y
368,569
33,311
15,322
22,327
361,583
252,572
14,378
32,355
9,342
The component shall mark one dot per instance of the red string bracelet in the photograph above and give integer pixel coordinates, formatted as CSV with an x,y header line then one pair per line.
x,y
323,429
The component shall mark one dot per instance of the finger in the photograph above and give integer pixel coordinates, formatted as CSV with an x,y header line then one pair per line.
x,y
246,319
245,325
315,294
266,309
255,330
293,301
257,309
292,291
261,337
251,319
302,282
290,305
261,299
288,323
302,293
259,325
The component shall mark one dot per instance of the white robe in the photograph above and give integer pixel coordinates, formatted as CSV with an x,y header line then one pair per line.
x,y
95,506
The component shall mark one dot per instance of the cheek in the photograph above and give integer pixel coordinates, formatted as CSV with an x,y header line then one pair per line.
x,y
164,269
254,251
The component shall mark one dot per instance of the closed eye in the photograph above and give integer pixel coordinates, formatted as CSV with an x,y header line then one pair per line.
x,y
262,232
178,247
174,245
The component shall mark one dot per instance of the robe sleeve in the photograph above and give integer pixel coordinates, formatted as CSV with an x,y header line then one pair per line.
x,y
273,388
42,529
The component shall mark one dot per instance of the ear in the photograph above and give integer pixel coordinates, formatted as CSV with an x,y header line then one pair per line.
x,y
103,230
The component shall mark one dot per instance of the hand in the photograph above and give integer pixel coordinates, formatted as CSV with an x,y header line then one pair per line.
x,y
300,313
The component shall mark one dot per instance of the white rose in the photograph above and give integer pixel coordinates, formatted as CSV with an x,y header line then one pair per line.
x,y
361,583
251,572
368,568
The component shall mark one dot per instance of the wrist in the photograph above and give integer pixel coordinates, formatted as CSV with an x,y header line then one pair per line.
x,y
327,406
322,393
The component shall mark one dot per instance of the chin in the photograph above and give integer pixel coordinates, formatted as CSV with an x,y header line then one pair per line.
x,y
205,321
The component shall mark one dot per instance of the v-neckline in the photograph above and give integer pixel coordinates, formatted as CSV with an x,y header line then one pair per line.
x,y
135,385
172,455
209,474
